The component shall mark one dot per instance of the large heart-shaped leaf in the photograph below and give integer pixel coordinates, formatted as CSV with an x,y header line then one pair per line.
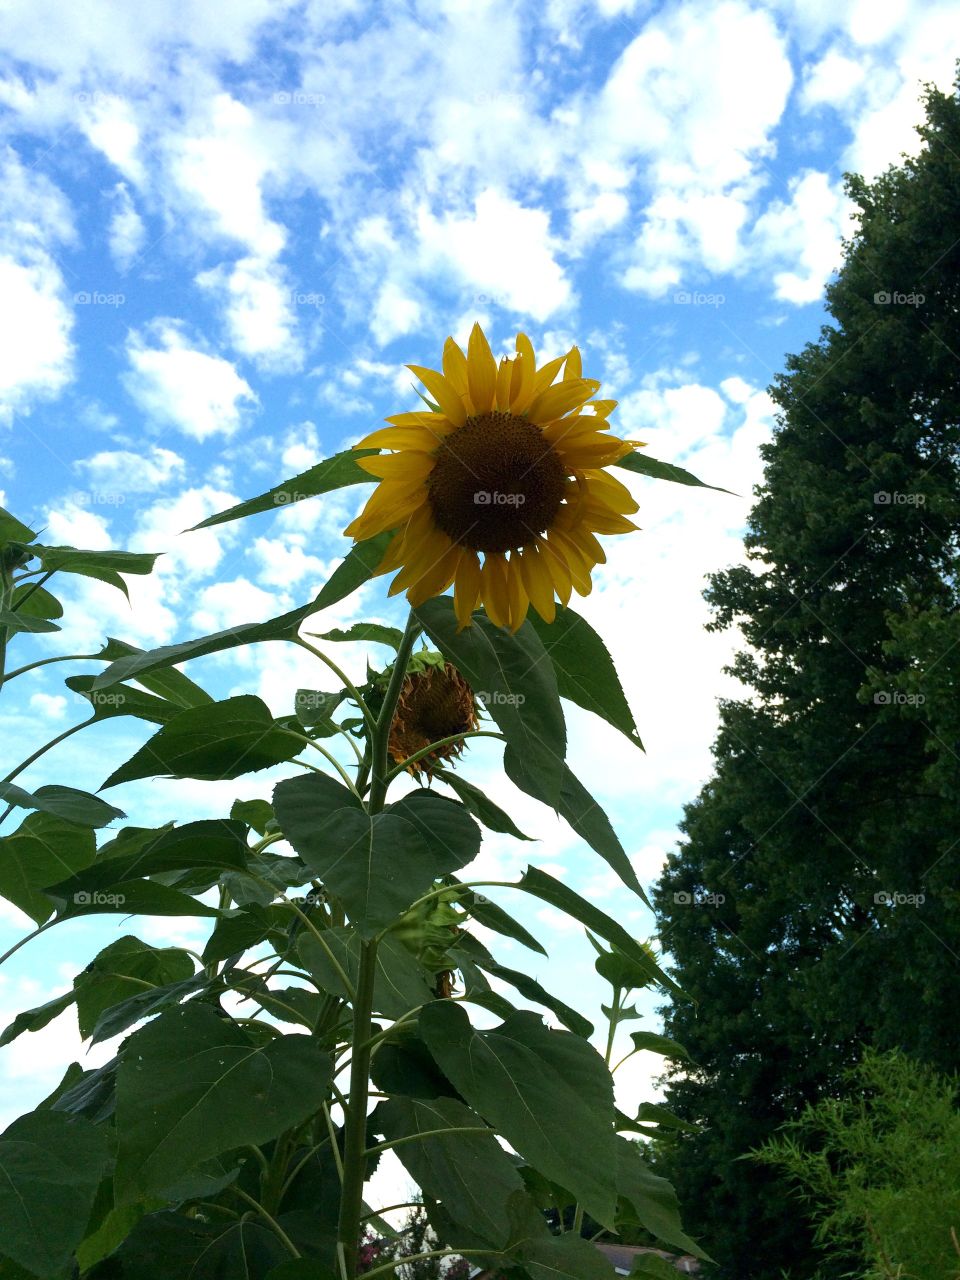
x,y
123,969
42,850
549,1093
51,1164
192,1085
400,983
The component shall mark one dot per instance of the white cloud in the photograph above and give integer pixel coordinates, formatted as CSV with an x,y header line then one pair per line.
x,y
805,233
36,351
229,604
120,471
503,249
258,311
199,394
127,233
50,706
394,314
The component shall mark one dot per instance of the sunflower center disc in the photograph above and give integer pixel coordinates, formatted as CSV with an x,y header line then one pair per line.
x,y
496,483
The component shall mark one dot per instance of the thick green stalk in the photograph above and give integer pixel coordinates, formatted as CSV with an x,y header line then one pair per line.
x,y
355,1124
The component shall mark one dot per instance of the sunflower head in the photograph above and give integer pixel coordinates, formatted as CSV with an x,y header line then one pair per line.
x,y
509,463
435,702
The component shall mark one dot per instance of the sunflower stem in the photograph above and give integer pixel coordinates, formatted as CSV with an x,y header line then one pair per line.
x,y
441,742
355,1121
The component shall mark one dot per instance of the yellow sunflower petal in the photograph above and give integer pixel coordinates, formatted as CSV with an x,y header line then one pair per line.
x,y
420,418
389,504
451,404
573,365
420,438
608,522
436,581
455,367
577,561
554,402
603,408
504,379
555,564
584,540
611,491
493,589
424,561
481,371
516,593
537,582
408,465
466,590
543,377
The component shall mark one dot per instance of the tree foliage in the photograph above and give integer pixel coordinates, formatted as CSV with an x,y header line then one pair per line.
x,y
812,905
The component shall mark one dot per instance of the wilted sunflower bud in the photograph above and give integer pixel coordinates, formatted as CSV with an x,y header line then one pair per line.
x,y
434,703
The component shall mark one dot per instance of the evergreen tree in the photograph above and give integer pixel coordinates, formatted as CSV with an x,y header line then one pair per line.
x,y
830,827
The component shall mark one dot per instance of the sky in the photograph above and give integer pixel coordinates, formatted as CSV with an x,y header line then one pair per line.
x,y
226,227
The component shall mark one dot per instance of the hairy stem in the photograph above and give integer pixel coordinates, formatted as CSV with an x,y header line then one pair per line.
x,y
355,1123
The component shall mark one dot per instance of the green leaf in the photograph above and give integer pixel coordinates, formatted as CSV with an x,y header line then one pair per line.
x,y
32,601
400,983
527,987
74,806
357,567
644,465
239,930
123,969
50,1167
658,1044
589,821
377,866
124,1014
652,1199
311,707
545,1256
36,1019
211,842
15,622
376,632
548,1093
290,1004
191,1085
104,566
469,1172
170,683
131,898
565,899
584,669
40,852
622,971
404,1066
122,700
222,740
171,1246
480,804
494,917
512,676
257,814
648,1266
332,473
13,530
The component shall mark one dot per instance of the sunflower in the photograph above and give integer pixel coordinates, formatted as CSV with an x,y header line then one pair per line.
x,y
509,463
435,703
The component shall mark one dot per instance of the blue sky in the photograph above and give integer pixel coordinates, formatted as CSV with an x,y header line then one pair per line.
x,y
225,228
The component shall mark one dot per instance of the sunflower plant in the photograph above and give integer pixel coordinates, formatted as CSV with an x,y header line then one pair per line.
x,y
343,1005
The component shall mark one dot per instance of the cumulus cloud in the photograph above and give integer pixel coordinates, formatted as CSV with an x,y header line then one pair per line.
x,y
121,471
180,386
127,234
